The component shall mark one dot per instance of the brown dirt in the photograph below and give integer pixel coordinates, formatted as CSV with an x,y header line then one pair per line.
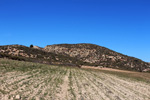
x,y
143,75
60,83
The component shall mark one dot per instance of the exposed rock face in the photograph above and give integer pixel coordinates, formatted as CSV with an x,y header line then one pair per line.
x,y
36,54
74,55
17,97
98,55
37,47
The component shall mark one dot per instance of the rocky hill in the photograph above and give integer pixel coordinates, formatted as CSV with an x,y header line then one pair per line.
x,y
36,54
74,55
99,56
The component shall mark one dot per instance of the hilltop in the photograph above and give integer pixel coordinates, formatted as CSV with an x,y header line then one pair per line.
x,y
36,54
74,55
98,56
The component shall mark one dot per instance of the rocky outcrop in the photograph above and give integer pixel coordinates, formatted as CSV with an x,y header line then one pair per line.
x,y
98,56
37,47
74,55
36,54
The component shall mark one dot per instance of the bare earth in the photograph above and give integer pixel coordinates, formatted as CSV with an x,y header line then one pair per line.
x,y
64,83
109,69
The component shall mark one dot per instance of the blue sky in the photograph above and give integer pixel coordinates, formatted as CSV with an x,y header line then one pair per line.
x,y
121,25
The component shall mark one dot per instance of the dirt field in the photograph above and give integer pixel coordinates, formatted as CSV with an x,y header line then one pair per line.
x,y
29,81
131,74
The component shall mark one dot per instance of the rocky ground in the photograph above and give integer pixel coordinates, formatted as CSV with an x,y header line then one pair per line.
x,y
29,81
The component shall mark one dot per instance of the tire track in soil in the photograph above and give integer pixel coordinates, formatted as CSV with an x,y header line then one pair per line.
x,y
88,89
100,89
43,86
108,91
106,82
125,89
130,86
64,93
77,84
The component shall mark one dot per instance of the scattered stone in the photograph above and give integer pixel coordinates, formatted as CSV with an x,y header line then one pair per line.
x,y
18,97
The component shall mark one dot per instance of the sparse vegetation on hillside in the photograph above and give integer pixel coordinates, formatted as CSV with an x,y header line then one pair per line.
x,y
74,55
99,56
18,52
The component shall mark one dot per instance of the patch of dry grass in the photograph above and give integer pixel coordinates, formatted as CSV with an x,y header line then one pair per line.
x,y
138,76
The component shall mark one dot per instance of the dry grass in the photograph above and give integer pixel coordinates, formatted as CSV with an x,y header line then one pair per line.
x,y
139,76
30,81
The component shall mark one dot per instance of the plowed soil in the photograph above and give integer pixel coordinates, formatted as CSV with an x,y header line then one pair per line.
x,y
29,81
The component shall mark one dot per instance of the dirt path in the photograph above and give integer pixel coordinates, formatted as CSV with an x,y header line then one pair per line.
x,y
141,75
64,94
108,69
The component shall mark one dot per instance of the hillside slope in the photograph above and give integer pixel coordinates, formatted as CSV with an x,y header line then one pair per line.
x,y
23,53
99,56
74,55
